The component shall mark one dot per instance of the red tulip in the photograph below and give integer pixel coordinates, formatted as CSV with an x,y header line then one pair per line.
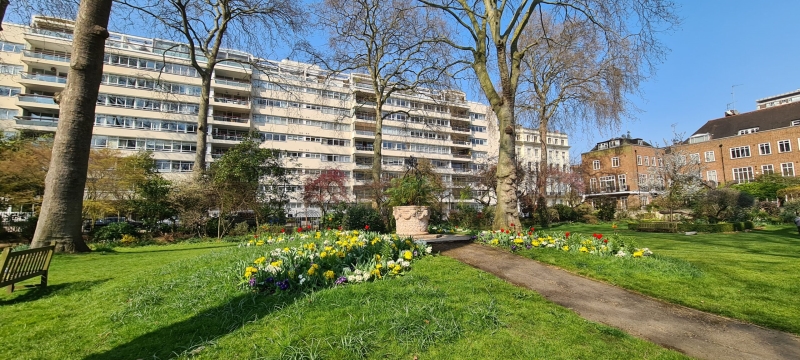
x,y
566,234
366,227
299,229
283,231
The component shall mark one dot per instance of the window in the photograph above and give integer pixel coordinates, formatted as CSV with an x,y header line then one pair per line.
x,y
10,69
592,184
642,179
614,162
740,152
747,131
743,174
639,158
787,169
607,183
660,162
646,161
784,146
795,122
711,175
767,169
710,156
596,164
10,47
9,91
623,182
694,158
8,114
764,149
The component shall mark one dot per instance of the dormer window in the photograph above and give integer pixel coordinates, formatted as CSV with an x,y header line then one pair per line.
x,y
795,123
694,139
747,131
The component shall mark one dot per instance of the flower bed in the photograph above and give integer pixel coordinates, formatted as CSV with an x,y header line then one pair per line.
x,y
595,244
328,258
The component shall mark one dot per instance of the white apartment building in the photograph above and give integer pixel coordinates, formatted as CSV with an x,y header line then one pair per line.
x,y
529,148
149,101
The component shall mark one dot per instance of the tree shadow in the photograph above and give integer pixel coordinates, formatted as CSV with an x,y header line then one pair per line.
x,y
37,293
201,329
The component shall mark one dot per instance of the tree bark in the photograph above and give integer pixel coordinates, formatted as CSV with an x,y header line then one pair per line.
x,y
202,126
377,145
60,219
506,212
3,7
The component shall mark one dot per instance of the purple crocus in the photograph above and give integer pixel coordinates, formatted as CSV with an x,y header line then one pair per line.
x,y
283,285
528,246
513,247
252,281
341,280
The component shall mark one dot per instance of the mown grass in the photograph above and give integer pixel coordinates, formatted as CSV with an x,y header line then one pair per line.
x,y
183,301
752,276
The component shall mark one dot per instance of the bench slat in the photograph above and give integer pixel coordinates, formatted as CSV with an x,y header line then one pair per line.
x,y
16,266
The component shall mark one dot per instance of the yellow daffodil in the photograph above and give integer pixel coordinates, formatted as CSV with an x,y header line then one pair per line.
x,y
565,248
408,255
584,249
329,275
260,260
639,253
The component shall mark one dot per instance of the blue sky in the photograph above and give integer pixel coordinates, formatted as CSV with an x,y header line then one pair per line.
x,y
719,44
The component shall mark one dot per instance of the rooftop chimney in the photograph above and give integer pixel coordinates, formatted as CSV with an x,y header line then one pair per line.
x,y
731,113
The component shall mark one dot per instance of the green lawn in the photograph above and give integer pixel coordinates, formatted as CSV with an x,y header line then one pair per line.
x,y
183,301
753,276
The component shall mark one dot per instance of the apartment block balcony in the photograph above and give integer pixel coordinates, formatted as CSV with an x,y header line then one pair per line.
x,y
464,129
37,123
27,78
364,148
232,102
232,84
231,120
45,56
365,133
36,102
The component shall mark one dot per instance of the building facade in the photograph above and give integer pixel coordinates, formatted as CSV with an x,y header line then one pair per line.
x,y
735,148
149,102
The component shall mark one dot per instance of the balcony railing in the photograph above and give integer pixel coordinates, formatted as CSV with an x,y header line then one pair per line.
x,y
228,137
51,33
365,133
231,101
42,77
40,99
236,83
234,119
365,148
462,142
461,170
36,120
460,128
461,156
47,55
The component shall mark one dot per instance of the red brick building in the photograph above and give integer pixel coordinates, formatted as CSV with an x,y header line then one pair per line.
x,y
734,148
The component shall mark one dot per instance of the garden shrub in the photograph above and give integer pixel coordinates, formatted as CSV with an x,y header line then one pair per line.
x,y
360,215
590,219
566,213
334,217
26,227
239,229
606,208
113,232
748,225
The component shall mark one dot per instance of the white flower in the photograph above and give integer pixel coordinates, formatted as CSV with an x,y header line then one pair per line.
x,y
621,254
272,269
429,249
302,279
405,264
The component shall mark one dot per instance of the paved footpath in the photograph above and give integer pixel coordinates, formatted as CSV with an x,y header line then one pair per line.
x,y
692,332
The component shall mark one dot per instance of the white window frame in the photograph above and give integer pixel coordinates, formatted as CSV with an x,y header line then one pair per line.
x,y
639,157
710,156
740,151
596,164
740,173
786,144
711,175
764,149
787,169
767,169
622,181
615,161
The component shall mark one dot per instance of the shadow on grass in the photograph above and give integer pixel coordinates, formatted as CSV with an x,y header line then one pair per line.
x,y
200,330
137,251
36,293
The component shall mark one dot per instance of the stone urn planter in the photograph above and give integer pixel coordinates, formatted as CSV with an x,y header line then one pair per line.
x,y
411,220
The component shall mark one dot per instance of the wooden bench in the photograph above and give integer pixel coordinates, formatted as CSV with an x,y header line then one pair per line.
x,y
16,266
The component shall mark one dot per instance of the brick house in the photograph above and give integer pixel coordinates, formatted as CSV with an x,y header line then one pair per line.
x,y
732,149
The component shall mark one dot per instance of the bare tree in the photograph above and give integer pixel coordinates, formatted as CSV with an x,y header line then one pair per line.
x,y
394,43
572,75
207,28
60,219
493,34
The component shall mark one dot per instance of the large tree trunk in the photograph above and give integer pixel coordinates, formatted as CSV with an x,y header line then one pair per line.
x,y
202,126
506,212
60,219
3,7
377,145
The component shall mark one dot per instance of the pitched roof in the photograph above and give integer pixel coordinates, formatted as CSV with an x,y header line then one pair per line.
x,y
766,119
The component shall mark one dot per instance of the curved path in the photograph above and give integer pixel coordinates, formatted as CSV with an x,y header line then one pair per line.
x,y
692,332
